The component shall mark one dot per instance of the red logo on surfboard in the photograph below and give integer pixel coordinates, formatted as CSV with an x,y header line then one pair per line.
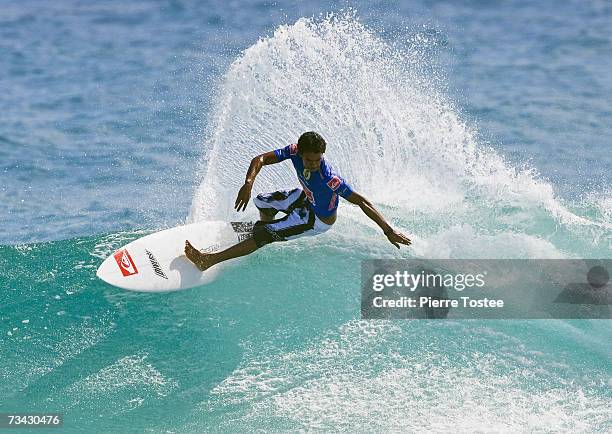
x,y
125,262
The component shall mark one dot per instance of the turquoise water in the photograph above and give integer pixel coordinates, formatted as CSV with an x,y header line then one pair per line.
x,y
447,120
291,354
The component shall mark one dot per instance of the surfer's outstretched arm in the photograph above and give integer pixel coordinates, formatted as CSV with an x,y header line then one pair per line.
x,y
256,164
366,206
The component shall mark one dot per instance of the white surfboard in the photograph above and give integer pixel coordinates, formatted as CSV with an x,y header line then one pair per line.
x,y
157,262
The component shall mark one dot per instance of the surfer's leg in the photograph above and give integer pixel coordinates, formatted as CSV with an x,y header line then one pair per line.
x,y
301,221
267,215
269,204
298,219
207,260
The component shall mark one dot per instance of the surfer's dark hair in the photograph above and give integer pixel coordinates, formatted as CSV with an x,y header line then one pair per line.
x,y
311,142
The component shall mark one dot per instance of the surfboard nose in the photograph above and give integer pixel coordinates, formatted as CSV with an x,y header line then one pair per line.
x,y
157,262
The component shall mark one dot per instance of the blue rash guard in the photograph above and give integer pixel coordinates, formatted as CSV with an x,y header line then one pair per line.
x,y
322,187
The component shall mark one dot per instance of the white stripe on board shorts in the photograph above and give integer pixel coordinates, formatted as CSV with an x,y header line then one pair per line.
x,y
300,221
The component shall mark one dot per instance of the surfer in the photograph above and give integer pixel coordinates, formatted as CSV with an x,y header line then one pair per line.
x,y
310,210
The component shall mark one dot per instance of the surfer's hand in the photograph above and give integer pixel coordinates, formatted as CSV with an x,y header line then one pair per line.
x,y
397,237
243,197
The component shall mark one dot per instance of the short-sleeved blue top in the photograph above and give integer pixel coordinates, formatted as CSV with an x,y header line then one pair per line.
x,y
322,187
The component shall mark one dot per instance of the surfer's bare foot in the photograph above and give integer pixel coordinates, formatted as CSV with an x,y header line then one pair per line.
x,y
201,260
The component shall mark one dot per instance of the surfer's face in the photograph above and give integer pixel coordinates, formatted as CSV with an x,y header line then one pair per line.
x,y
312,160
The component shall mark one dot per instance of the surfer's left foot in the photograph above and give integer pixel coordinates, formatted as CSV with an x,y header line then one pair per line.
x,y
201,260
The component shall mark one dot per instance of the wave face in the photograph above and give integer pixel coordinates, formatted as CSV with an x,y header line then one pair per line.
x,y
396,137
250,352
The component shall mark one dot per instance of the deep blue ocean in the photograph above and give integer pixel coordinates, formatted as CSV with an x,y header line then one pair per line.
x,y
480,129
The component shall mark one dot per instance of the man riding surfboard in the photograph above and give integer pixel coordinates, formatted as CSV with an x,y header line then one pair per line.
x,y
309,210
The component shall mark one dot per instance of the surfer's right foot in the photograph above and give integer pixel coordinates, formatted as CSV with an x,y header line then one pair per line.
x,y
200,260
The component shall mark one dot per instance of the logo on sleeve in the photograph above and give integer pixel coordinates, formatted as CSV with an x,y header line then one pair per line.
x,y
334,183
293,149
125,262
